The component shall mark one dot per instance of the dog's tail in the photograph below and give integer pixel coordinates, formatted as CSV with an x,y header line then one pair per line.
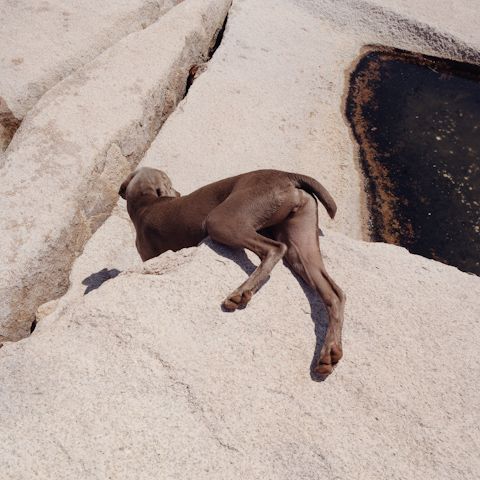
x,y
315,188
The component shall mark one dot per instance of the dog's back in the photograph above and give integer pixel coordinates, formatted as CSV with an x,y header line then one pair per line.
x,y
165,220
234,212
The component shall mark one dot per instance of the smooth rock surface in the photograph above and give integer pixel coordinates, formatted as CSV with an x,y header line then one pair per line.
x,y
62,170
137,372
146,377
273,97
460,22
43,42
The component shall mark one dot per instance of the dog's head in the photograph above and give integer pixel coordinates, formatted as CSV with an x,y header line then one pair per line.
x,y
147,180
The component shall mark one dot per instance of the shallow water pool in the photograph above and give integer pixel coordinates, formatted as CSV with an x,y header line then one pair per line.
x,y
417,122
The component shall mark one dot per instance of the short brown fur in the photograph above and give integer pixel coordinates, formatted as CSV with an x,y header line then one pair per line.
x,y
235,211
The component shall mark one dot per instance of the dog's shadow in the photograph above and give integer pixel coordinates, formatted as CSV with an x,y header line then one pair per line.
x,y
318,312
97,279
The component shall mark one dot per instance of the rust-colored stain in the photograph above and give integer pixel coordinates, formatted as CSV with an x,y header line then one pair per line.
x,y
382,199
8,124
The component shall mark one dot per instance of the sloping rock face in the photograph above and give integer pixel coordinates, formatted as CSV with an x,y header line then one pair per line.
x,y
146,377
459,23
137,372
63,168
273,97
43,42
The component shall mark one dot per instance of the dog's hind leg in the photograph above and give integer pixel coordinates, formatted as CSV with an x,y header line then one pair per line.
x,y
300,233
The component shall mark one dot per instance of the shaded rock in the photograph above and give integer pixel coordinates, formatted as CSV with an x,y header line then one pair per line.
x,y
62,170
8,126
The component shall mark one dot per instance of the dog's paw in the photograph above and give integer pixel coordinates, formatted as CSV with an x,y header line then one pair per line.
x,y
237,299
329,357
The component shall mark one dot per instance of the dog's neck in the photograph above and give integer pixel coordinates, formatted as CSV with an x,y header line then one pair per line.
x,y
139,200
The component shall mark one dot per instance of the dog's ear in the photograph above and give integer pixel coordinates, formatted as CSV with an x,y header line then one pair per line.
x,y
123,187
163,184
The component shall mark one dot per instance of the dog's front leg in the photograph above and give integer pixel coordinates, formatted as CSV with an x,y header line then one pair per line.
x,y
223,229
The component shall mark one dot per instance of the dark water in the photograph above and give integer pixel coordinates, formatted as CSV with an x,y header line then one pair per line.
x,y
417,121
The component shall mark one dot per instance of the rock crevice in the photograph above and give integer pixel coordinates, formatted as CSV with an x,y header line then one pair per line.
x,y
72,151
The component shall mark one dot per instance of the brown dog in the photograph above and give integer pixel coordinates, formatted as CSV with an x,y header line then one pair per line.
x,y
233,212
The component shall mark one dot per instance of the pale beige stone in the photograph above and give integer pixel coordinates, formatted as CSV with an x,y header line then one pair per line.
x,y
44,41
146,377
75,146
45,310
274,97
